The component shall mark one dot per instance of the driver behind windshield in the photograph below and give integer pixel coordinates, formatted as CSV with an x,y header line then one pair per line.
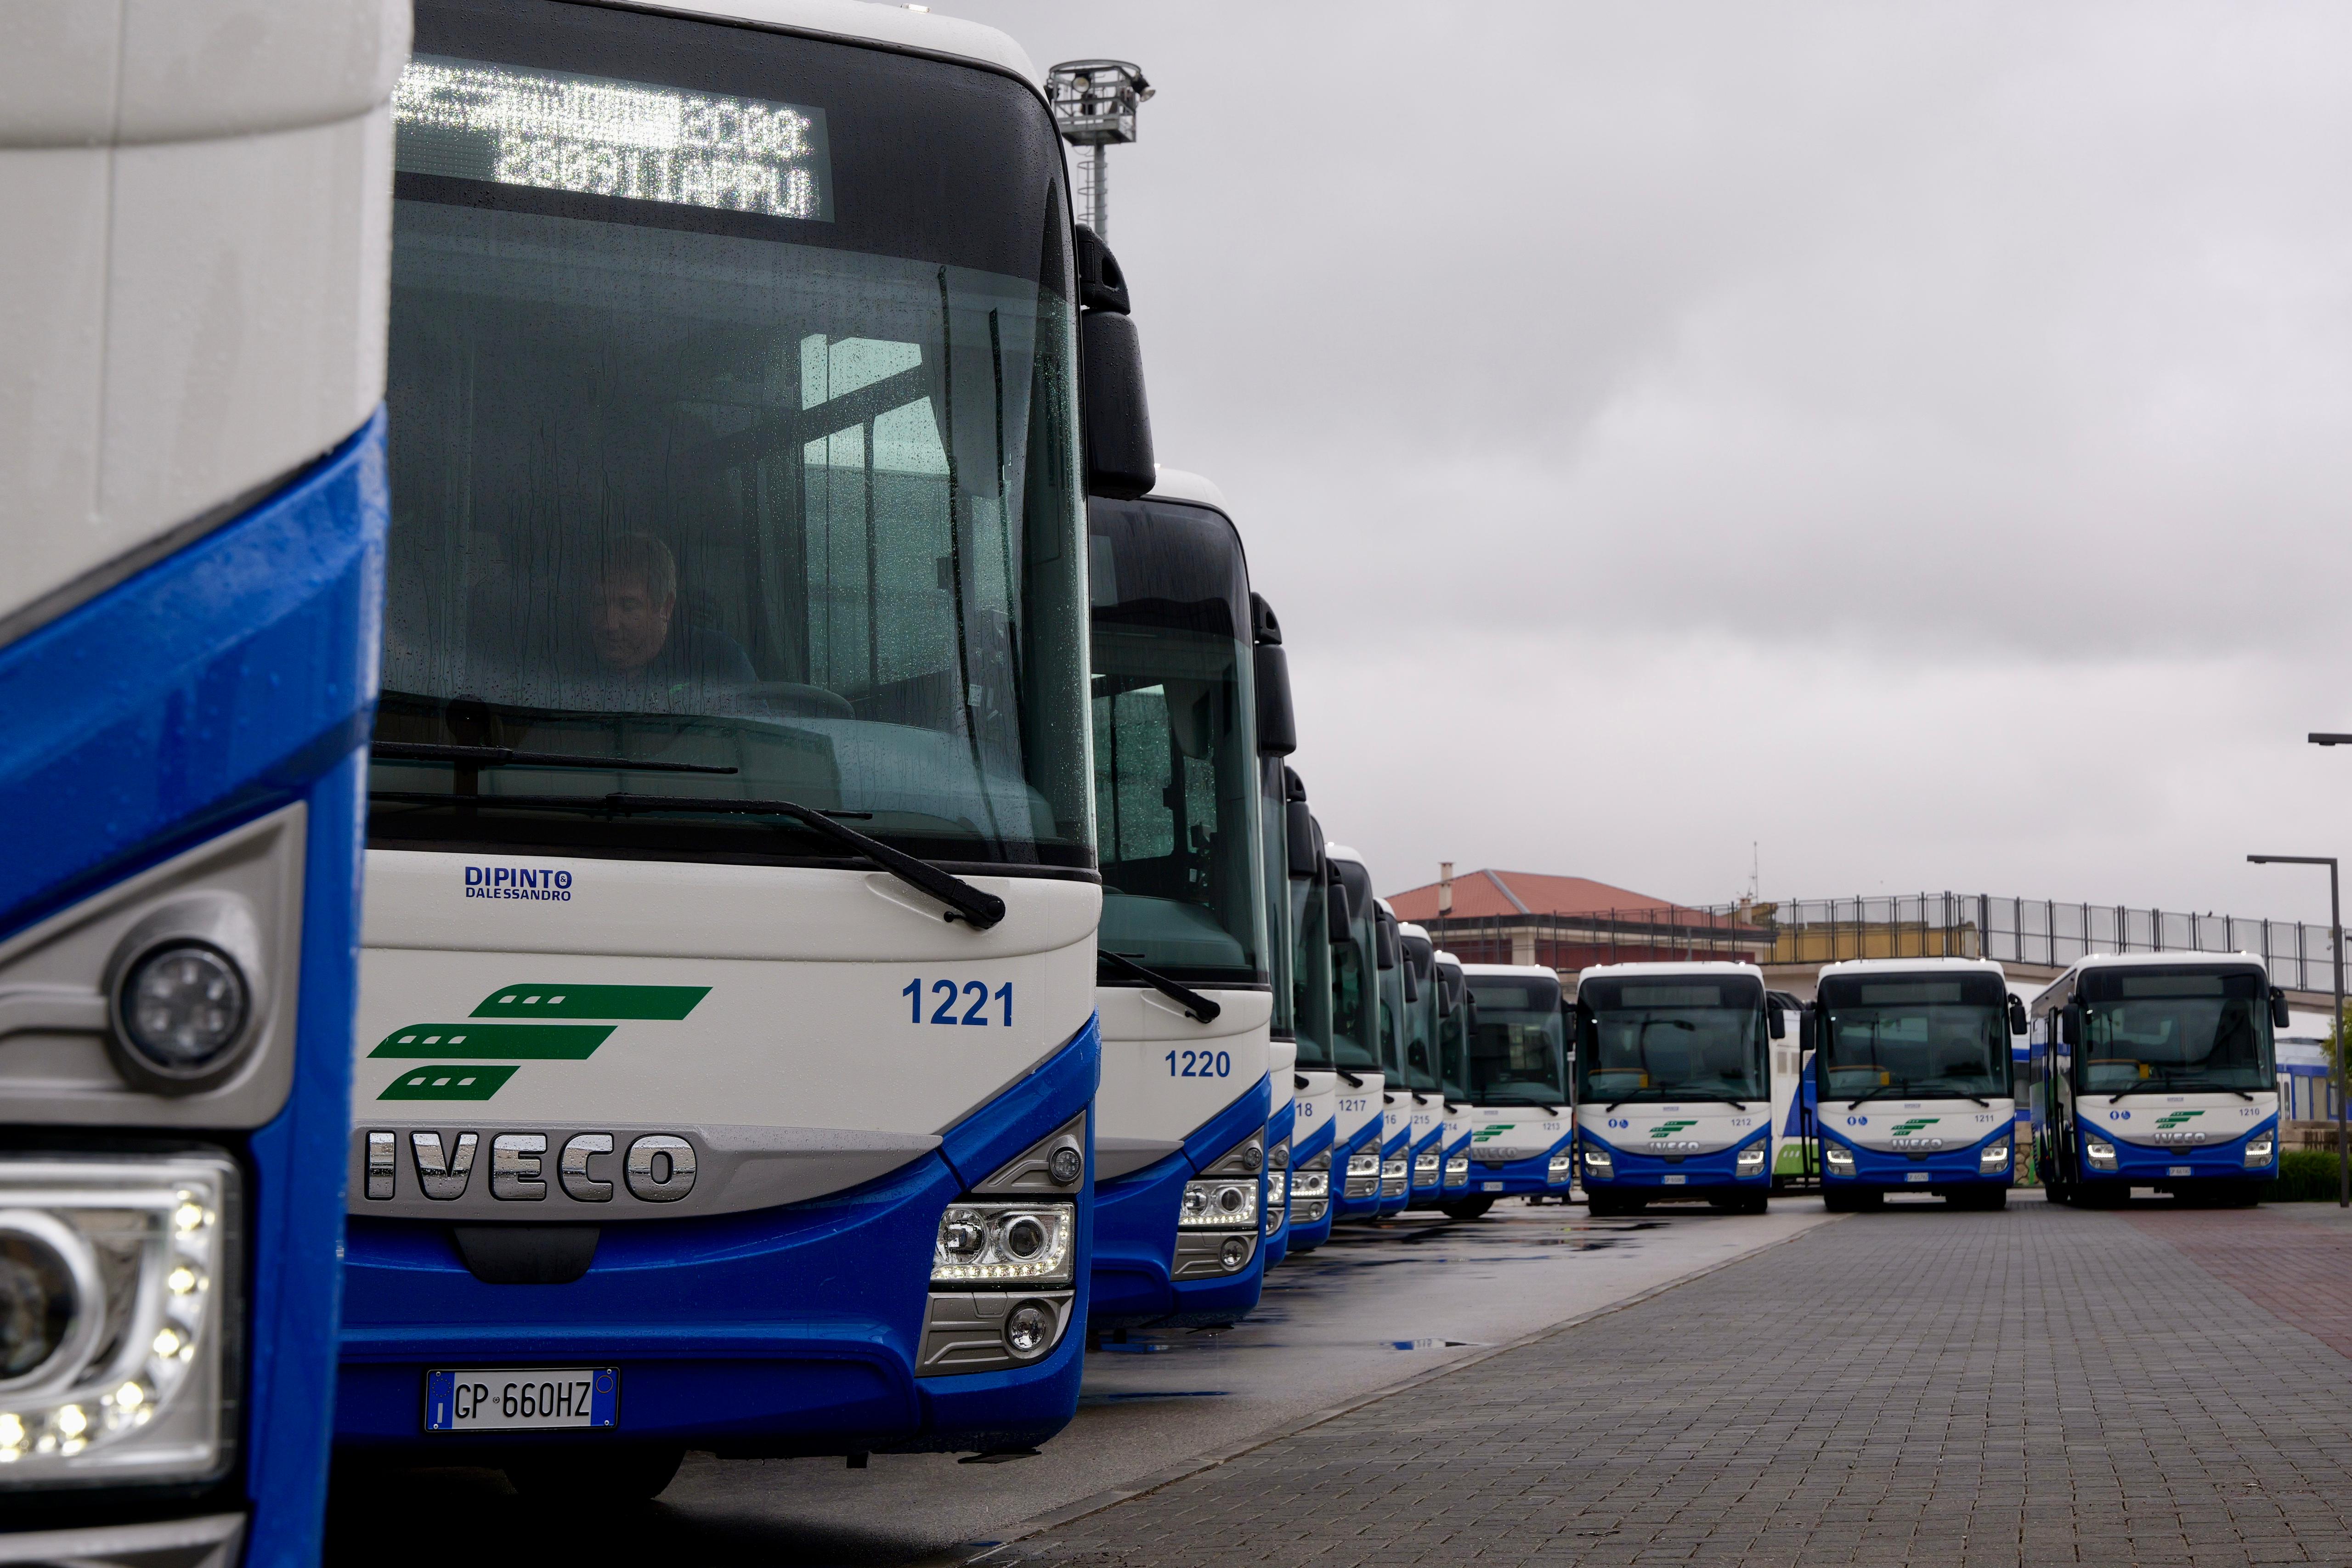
x,y
642,650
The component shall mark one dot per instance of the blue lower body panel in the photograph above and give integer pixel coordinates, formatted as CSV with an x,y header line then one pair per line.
x,y
230,680
2213,1165
1135,1237
1944,1169
1366,1139
1516,1178
1277,1236
1306,1235
1701,1175
778,1331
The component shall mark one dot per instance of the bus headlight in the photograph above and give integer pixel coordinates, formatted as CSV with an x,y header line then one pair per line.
x,y
2099,1153
1751,1160
1426,1167
1994,1158
982,1243
1597,1162
1312,1179
1837,1159
1559,1168
2260,1147
1221,1204
1457,1169
119,1296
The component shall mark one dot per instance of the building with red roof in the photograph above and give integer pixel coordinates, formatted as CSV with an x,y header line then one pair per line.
x,y
1571,923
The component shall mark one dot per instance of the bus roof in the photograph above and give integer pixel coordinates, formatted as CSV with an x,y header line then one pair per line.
x,y
1686,966
1913,966
1184,485
1342,853
1499,971
2057,992
859,21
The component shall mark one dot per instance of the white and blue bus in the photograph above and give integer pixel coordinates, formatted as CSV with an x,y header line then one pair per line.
x,y
1912,1081
1317,1085
1517,1090
1424,1092
1454,1010
192,527
2157,1070
1673,1084
1396,1101
727,1036
1361,1133
1183,988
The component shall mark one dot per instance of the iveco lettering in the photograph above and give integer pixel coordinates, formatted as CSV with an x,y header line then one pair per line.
x,y
727,1052
192,532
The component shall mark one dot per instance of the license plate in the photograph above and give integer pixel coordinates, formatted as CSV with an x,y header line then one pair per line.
x,y
1491,1186
520,1398
1677,1180
1918,1176
2178,1170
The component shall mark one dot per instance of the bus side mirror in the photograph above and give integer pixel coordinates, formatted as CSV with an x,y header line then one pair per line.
x,y
2017,1023
1118,421
2278,1009
1299,829
2070,1025
1775,1018
1278,721
1805,1029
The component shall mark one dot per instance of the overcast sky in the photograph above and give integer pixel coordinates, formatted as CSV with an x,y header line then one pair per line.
x,y
1908,438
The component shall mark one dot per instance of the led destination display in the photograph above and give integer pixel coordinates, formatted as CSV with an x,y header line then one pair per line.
x,y
558,131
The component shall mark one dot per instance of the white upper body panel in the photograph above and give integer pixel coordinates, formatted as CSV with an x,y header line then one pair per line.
x,y
194,271
2058,991
1165,1074
862,21
1913,967
1183,485
1282,1074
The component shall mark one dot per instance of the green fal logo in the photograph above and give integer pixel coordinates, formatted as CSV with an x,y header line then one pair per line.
x,y
1492,1129
499,1049
1668,1129
1905,1129
2174,1118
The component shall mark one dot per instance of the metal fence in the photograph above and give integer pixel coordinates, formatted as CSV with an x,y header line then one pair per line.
x,y
2032,931
1903,926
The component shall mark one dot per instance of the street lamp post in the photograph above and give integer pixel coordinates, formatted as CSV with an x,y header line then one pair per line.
x,y
2335,1029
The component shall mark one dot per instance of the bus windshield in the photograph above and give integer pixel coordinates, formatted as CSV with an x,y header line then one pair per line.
x,y
1177,780
1311,956
2175,1029
1421,1015
1914,1034
1674,1036
1516,1053
1453,1036
1355,1002
732,452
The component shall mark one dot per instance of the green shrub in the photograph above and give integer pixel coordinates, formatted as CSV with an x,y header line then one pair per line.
x,y
2305,1176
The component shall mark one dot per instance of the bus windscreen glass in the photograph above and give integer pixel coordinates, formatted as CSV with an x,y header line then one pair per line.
x,y
733,447
2146,1030
1674,1040
1177,783
1518,1050
1945,1035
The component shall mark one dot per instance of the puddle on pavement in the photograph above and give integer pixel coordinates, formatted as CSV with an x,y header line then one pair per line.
x,y
1436,1344
1084,1399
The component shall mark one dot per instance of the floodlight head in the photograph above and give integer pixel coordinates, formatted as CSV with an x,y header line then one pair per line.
x,y
1094,101
2324,737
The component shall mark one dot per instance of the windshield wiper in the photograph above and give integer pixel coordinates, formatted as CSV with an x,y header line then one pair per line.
x,y
1894,1086
2142,1087
507,756
1198,1007
1669,1093
2181,1084
975,906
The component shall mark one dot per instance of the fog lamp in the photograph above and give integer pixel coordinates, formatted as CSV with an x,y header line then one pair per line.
x,y
182,1006
1029,1329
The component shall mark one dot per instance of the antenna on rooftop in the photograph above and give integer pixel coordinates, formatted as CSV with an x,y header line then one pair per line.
x,y
1094,106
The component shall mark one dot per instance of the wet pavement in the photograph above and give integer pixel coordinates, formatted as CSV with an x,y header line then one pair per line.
x,y
1376,1308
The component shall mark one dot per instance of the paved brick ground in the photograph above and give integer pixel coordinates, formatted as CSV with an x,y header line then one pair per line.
x,y
1916,1386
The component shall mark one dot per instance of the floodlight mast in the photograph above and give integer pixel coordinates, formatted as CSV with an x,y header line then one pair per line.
x,y
1093,107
